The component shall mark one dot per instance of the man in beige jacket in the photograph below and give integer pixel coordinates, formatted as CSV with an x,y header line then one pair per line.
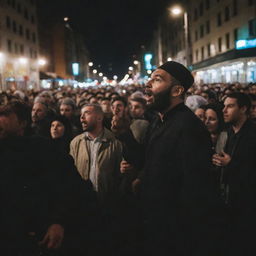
x,y
97,154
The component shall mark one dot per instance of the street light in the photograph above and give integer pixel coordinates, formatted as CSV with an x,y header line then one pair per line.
x,y
176,11
41,62
94,71
90,64
100,74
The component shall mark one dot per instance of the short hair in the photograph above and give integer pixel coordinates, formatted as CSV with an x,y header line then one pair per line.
x,y
97,108
68,101
105,98
119,98
242,99
21,110
252,97
142,101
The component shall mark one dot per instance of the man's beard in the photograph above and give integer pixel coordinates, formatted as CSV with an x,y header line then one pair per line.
x,y
161,101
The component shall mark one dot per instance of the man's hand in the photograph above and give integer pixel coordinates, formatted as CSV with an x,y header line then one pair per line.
x,y
54,236
136,185
125,167
222,159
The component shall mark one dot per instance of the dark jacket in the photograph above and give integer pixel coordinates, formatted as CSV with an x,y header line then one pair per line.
x,y
178,192
38,187
240,179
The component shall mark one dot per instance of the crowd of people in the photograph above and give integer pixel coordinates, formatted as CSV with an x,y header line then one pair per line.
x,y
166,168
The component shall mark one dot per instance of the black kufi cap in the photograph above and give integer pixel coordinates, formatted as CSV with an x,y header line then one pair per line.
x,y
179,72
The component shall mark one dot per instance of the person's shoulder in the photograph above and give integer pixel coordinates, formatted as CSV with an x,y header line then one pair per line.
x,y
77,138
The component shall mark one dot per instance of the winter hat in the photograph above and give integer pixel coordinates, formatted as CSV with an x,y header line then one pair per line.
x,y
179,72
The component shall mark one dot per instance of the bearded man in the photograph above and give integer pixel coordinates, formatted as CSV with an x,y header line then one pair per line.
x,y
177,188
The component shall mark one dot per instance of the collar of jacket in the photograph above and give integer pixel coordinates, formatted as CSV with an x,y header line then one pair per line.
x,y
171,112
106,136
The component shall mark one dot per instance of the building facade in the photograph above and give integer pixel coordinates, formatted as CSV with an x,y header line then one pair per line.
x,y
18,45
220,40
223,35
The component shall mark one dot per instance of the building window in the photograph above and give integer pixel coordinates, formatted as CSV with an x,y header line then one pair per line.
x,y
34,37
22,49
196,55
220,44
27,34
252,27
209,50
26,14
16,48
227,13
227,41
14,27
202,53
201,31
20,30
219,19
235,34
32,19
195,14
196,35
8,22
208,28
201,9
18,7
9,45
234,7
207,4
13,4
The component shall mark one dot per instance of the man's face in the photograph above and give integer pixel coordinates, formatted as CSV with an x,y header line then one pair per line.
x,y
253,110
106,106
38,112
136,109
9,126
118,108
232,112
160,87
66,110
89,118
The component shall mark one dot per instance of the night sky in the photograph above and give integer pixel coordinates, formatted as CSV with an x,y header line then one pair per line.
x,y
114,30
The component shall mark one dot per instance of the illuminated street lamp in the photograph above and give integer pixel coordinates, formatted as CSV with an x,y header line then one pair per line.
x,y
115,77
90,64
130,68
41,62
23,60
169,59
176,11
94,71
100,74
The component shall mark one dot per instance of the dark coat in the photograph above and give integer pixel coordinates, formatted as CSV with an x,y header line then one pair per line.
x,y
241,197
178,192
38,187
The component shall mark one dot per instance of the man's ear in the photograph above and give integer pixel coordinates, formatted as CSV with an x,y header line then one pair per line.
x,y
177,90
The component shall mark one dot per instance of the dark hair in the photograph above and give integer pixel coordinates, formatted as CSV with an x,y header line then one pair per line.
x,y
252,97
119,98
21,110
68,128
142,101
217,108
243,100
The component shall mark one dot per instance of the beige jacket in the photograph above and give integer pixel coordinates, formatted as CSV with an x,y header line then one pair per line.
x,y
109,158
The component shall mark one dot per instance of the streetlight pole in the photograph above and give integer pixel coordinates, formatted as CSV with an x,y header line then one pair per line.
x,y
177,11
186,37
